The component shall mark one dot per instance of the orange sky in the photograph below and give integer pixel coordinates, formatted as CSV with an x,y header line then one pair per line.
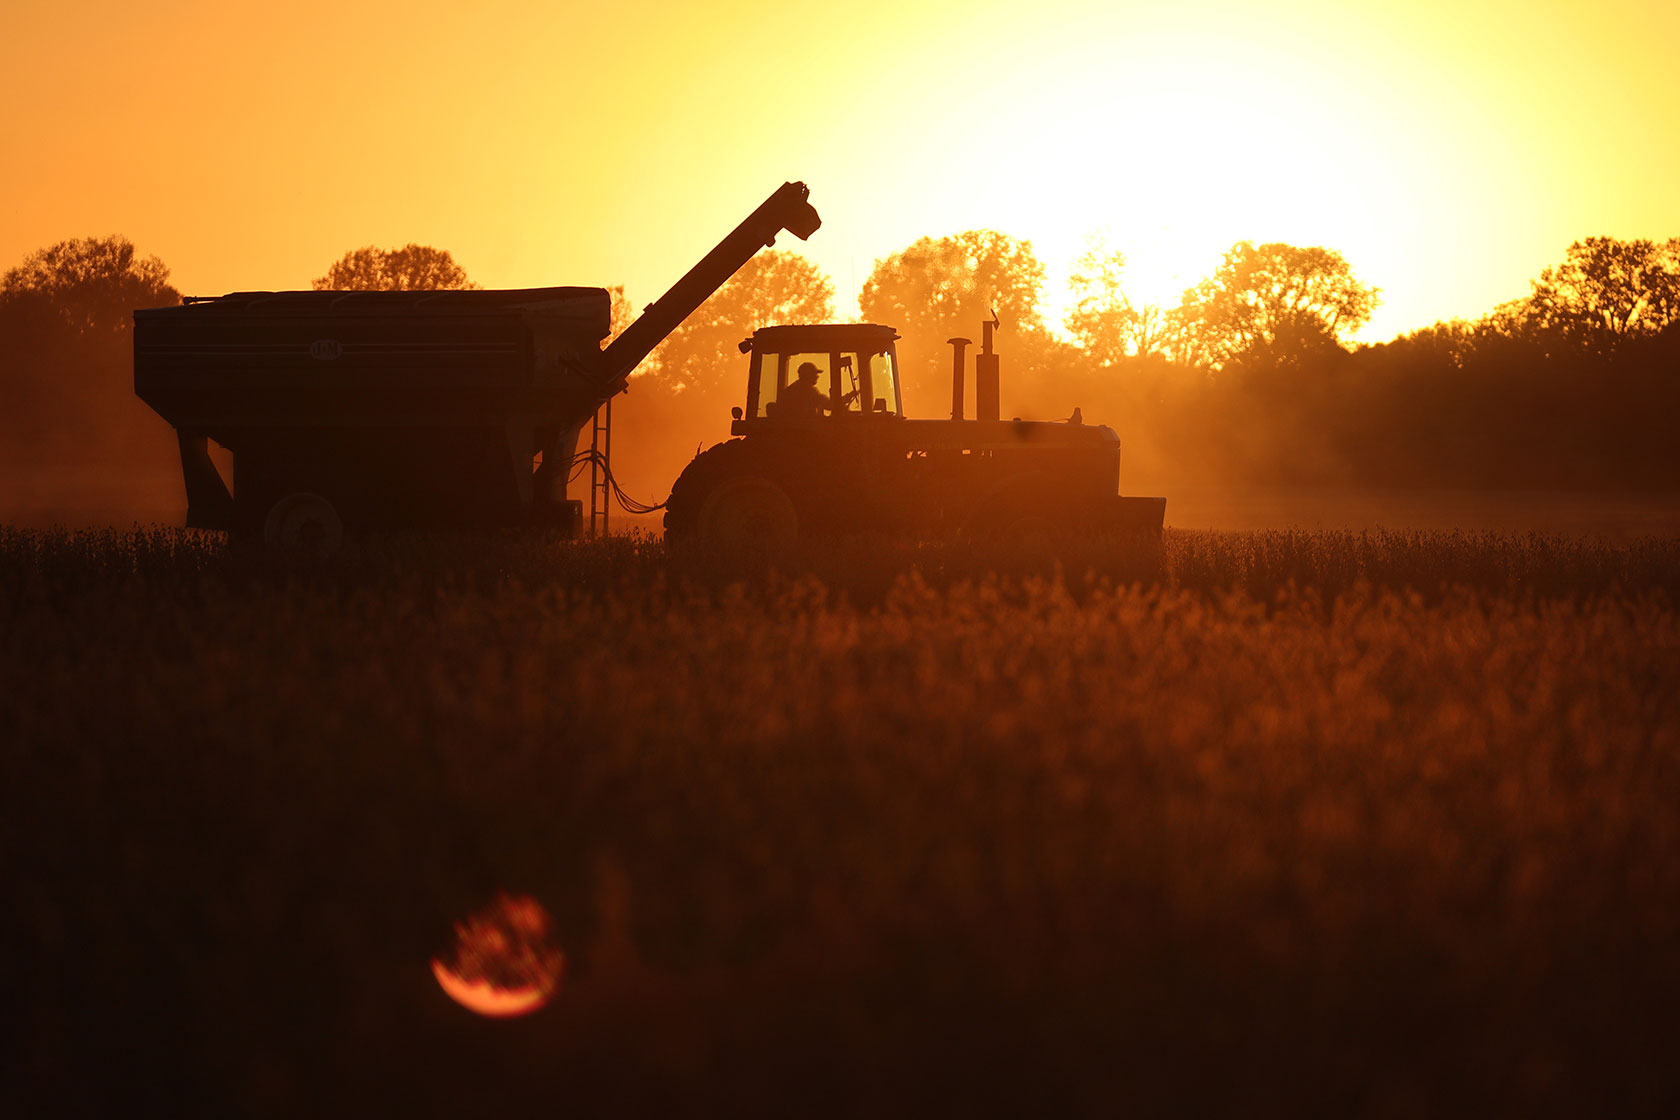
x,y
1450,149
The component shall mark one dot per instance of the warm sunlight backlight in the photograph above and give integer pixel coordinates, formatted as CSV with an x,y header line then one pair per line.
x,y
1447,150
1189,148
504,963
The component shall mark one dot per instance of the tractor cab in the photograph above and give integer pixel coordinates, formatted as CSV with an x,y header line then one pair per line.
x,y
820,374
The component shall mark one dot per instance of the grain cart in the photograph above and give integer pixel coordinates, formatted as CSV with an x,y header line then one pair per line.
x,y
839,455
421,409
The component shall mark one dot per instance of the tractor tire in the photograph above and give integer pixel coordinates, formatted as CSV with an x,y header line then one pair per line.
x,y
748,512
728,496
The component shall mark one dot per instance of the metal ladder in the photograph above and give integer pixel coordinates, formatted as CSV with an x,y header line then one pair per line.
x,y
600,461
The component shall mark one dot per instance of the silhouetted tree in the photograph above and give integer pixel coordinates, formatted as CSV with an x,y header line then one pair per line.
x,y
66,357
937,285
1606,291
1271,301
1104,320
621,314
90,285
941,287
411,268
774,287
1512,319
1450,344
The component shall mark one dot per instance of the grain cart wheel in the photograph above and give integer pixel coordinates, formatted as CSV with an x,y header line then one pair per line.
x,y
303,526
748,511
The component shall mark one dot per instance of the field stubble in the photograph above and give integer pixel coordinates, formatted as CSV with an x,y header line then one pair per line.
x,y
1369,823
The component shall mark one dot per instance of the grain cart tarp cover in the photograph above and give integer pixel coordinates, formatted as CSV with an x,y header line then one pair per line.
x,y
413,408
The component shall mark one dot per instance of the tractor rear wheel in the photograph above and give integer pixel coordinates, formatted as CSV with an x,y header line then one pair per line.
x,y
729,495
748,511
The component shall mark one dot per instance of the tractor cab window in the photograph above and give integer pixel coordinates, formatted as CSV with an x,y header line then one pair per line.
x,y
850,389
883,384
846,383
780,393
768,374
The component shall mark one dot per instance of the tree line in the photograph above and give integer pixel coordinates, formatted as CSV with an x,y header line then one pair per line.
x,y
1251,378
66,347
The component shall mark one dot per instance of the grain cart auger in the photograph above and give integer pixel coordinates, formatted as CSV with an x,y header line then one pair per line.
x,y
407,409
823,447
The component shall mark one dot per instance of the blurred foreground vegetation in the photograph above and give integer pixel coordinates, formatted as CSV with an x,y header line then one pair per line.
x,y
1279,823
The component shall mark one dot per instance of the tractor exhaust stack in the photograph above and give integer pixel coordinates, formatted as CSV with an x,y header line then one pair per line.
x,y
959,348
986,374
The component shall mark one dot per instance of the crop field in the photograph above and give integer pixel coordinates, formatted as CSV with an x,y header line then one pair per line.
x,y
1277,823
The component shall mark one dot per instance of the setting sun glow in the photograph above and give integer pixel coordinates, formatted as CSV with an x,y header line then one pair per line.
x,y
1447,150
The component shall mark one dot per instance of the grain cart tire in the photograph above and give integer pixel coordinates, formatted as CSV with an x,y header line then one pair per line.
x,y
303,526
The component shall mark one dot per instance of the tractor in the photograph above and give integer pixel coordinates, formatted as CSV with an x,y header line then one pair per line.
x,y
823,447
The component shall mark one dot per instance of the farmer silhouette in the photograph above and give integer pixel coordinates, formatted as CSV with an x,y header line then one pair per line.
x,y
802,398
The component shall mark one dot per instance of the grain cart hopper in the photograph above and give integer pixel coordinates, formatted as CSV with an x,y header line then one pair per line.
x,y
838,455
420,409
